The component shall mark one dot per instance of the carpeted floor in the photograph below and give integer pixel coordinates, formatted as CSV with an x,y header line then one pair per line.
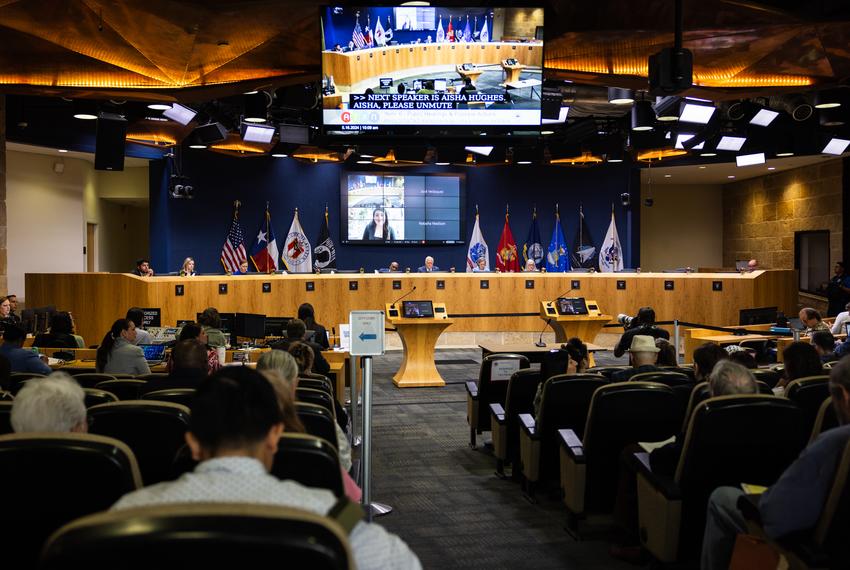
x,y
449,505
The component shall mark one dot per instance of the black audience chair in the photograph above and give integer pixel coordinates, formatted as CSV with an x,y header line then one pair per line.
x,y
95,397
182,396
310,460
198,535
606,371
92,379
124,388
6,417
504,421
565,404
479,395
155,431
730,440
18,379
769,377
152,376
318,397
809,393
52,479
620,414
826,419
317,421
681,384
316,384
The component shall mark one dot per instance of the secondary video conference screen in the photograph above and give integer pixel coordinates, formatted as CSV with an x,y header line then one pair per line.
x,y
399,209
572,306
387,67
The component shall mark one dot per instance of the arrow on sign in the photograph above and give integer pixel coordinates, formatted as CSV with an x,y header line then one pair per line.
x,y
364,336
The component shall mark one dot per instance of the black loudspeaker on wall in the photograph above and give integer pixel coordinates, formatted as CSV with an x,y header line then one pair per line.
x,y
109,145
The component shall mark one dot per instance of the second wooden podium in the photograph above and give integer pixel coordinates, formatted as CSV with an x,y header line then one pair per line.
x,y
419,331
584,326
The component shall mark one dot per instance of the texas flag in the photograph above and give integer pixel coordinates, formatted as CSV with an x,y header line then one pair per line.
x,y
264,251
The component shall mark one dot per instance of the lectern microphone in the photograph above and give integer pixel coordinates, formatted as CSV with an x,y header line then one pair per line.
x,y
403,296
570,290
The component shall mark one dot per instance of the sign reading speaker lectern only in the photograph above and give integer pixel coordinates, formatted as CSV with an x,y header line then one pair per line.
x,y
367,333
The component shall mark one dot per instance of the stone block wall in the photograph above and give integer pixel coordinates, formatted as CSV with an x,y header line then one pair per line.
x,y
760,215
522,22
3,267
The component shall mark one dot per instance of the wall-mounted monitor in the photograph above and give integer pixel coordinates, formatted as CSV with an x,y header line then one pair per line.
x,y
447,65
402,209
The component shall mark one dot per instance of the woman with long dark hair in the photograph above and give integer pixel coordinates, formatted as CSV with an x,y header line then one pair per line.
x,y
117,354
379,228
307,314
61,333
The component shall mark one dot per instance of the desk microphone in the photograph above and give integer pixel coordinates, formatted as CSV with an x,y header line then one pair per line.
x,y
333,334
393,305
540,343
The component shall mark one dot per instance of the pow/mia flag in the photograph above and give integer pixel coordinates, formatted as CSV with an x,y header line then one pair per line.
x,y
324,255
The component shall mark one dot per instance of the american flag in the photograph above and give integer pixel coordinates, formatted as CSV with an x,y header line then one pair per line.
x,y
233,251
357,36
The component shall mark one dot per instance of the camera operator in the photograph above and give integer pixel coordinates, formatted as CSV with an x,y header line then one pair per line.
x,y
642,324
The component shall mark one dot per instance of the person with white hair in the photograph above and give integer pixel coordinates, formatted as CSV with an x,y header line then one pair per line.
x,y
52,404
429,266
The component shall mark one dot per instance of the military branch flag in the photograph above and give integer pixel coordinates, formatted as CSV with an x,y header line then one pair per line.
x,y
533,247
584,253
325,250
477,248
611,254
380,35
485,35
450,33
507,258
233,251
467,32
557,260
297,255
441,34
264,248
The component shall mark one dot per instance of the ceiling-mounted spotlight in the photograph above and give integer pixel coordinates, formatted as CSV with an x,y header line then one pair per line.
x,y
256,107
642,116
836,146
181,187
667,108
830,116
620,96
626,199
256,133
696,111
85,109
801,110
180,114
828,98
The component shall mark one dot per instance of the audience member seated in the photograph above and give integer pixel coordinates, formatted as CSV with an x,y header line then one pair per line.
x,y
838,292
295,332
117,354
666,353
210,320
577,364
188,268
304,356
188,365
13,302
53,404
137,315
838,325
800,360
429,266
643,355
811,319
642,324
196,332
308,315
705,359
235,425
282,371
6,316
795,501
824,344
143,268
21,359
60,335
742,356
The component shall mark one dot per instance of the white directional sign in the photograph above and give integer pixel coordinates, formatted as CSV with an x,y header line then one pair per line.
x,y
367,333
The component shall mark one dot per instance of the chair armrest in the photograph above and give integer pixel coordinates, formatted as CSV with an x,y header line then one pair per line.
x,y
472,389
498,412
528,425
664,485
572,445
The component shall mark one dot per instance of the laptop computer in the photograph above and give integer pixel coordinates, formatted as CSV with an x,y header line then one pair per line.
x,y
154,353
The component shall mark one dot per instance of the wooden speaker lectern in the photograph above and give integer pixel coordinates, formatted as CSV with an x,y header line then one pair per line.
x,y
584,326
419,336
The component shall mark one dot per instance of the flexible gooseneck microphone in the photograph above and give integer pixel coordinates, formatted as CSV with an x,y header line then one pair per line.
x,y
540,343
403,296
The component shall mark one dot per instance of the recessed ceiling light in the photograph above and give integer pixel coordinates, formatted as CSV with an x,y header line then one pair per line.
x,y
197,146
771,168
731,143
547,132
615,160
668,175
709,154
784,154
85,116
731,176
280,155
442,163
696,113
703,167
483,134
250,93
364,162
159,106
63,150
524,162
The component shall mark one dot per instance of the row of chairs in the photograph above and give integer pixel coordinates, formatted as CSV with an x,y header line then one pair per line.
x,y
52,479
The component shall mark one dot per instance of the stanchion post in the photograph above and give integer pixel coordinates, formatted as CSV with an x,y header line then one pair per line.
x,y
366,449
352,373
676,339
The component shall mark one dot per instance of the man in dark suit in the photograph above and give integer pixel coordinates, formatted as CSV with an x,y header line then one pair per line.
x,y
297,330
429,266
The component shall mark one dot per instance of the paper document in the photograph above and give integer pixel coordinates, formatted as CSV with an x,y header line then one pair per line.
x,y
649,446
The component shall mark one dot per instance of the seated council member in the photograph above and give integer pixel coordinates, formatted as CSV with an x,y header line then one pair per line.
x,y
480,265
379,228
117,354
243,268
234,428
530,265
429,266
143,268
188,269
